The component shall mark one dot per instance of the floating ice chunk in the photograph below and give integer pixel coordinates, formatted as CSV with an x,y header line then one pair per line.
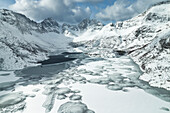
x,y
36,90
49,103
114,87
102,80
11,99
74,107
96,81
79,78
75,97
6,85
76,91
61,97
61,91
96,74
31,95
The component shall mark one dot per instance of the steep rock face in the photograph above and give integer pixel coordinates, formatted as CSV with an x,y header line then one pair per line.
x,y
16,52
70,27
86,23
165,43
24,24
50,25
19,54
70,30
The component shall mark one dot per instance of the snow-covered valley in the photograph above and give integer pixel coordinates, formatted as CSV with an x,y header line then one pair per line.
x,y
117,68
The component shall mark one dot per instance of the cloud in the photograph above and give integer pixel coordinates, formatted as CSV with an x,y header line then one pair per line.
x,y
61,10
124,9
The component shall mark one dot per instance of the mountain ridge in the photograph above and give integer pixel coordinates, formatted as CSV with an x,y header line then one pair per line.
x,y
47,25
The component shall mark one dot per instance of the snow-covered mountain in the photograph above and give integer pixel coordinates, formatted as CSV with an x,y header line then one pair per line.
x,y
24,41
146,38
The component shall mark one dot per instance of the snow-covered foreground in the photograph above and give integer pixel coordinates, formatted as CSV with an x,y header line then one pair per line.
x,y
89,85
102,100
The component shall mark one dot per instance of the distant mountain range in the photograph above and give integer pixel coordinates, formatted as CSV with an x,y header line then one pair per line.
x,y
25,25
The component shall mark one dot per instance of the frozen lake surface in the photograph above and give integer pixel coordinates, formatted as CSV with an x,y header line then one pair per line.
x,y
85,85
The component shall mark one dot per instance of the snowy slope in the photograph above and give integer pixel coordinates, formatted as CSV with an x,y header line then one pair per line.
x,y
24,42
152,45
19,50
146,38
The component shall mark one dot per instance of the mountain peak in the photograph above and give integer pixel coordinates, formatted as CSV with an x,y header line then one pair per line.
x,y
8,16
159,12
160,3
84,24
5,11
49,22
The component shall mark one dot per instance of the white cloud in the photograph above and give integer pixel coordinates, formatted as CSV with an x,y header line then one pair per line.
x,y
122,9
61,10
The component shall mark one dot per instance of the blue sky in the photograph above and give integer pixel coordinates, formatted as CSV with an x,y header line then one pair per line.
x,y
6,3
73,11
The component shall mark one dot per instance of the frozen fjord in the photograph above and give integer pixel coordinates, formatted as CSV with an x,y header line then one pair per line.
x,y
104,85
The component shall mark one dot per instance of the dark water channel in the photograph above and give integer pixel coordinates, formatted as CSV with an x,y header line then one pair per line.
x,y
47,69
